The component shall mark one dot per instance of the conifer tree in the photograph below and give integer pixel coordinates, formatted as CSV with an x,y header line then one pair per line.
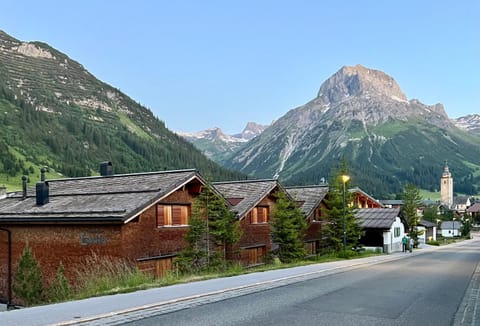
x,y
60,290
288,229
411,201
213,227
28,282
332,232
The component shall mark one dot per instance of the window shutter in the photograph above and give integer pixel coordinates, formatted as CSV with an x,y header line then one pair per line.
x,y
262,214
160,215
254,215
185,213
177,215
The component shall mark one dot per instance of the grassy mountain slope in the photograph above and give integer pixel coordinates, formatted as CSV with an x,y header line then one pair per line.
x,y
54,113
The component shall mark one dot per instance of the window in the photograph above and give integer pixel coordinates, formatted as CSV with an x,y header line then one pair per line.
x,y
169,215
396,232
259,215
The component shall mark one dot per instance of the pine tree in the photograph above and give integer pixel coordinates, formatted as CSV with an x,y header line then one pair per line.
x,y
288,229
27,282
333,232
60,290
213,227
411,201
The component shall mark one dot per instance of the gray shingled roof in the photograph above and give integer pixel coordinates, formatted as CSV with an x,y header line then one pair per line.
x,y
460,200
451,225
377,218
427,224
114,198
311,196
248,192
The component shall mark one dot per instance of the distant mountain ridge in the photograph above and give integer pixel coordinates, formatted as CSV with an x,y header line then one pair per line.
x,y
217,145
470,123
362,114
56,114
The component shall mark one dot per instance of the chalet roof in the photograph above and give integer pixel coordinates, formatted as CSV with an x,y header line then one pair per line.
x,y
475,208
310,196
246,194
377,218
427,224
360,191
451,225
114,198
460,200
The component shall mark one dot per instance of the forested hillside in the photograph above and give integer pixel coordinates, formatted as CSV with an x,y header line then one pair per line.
x,y
54,113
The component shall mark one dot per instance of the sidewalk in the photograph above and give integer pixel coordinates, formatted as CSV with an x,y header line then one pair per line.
x,y
94,310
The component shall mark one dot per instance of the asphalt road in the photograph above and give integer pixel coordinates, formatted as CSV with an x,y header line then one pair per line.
x,y
422,290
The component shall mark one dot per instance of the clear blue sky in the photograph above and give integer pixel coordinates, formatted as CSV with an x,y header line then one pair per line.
x,y
200,64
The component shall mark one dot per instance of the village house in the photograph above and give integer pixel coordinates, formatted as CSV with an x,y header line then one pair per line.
x,y
361,199
461,204
383,228
253,202
451,229
310,200
475,211
429,231
140,217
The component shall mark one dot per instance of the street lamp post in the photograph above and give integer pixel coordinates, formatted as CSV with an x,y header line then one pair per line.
x,y
345,178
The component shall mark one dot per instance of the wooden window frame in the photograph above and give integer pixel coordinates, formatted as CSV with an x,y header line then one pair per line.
x,y
260,215
173,215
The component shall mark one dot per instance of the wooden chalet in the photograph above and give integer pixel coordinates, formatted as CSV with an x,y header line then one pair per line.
x,y
141,218
310,201
253,202
363,200
475,211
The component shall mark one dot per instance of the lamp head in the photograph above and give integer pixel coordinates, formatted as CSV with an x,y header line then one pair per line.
x,y
345,178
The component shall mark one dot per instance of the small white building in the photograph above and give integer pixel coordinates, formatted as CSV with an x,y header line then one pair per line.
x,y
451,229
429,231
461,203
383,228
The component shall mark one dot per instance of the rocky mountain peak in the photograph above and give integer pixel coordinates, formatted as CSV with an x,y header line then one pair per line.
x,y
470,122
251,130
359,81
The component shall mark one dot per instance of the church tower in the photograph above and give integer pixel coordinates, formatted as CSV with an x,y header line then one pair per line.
x,y
446,187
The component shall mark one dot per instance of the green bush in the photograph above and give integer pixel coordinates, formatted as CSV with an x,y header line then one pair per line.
x,y
28,280
60,289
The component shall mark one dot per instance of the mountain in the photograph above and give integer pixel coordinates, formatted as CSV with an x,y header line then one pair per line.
x,y
217,145
470,122
362,115
55,113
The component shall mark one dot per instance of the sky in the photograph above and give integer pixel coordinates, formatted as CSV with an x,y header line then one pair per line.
x,y
202,64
